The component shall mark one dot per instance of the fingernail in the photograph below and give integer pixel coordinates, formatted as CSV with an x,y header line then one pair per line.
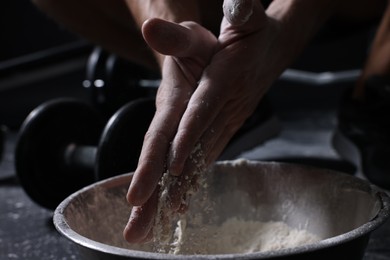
x,y
135,195
172,164
237,12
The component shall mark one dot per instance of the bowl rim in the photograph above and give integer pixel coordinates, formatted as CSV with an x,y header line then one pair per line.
x,y
63,228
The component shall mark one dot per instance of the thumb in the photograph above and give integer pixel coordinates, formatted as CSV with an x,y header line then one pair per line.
x,y
184,40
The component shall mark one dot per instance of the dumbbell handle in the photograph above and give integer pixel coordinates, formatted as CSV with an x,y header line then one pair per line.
x,y
83,157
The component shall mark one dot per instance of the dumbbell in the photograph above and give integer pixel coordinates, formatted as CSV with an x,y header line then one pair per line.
x,y
112,81
64,145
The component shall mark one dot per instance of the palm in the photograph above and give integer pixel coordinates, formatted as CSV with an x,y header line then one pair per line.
x,y
209,87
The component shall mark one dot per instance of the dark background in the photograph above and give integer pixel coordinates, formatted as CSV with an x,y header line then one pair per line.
x,y
40,60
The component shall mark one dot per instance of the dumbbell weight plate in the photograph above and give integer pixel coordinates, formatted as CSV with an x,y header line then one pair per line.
x,y
113,81
39,155
121,142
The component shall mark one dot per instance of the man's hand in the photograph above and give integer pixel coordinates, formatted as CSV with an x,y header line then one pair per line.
x,y
209,88
189,48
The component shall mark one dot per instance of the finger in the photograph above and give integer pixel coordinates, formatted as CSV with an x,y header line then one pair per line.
x,y
213,141
202,108
187,183
190,44
225,126
217,147
191,179
241,17
180,194
205,105
217,86
148,237
238,12
171,102
183,208
139,226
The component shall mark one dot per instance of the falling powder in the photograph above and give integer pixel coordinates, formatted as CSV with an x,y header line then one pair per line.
x,y
165,238
186,235
204,230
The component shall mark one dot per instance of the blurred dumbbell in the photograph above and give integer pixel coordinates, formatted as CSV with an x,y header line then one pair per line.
x,y
64,145
113,81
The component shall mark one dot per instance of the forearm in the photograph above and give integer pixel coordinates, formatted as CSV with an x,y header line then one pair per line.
x,y
301,19
298,21
170,10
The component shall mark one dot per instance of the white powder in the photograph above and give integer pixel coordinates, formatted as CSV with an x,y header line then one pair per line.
x,y
165,238
238,11
241,236
215,223
104,223
190,234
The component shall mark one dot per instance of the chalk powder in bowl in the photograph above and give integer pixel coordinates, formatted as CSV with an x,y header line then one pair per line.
x,y
234,235
240,236
210,226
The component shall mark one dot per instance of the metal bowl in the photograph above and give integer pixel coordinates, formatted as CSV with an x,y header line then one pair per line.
x,y
341,209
